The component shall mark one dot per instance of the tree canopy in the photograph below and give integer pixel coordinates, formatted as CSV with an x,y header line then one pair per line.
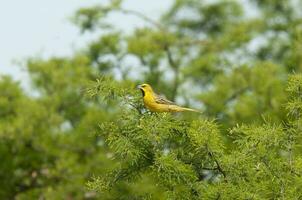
x,y
86,134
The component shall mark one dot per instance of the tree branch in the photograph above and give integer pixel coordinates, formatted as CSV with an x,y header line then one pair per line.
x,y
160,27
210,169
217,164
142,16
236,94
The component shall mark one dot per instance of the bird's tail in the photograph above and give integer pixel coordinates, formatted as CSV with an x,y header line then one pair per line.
x,y
175,108
191,110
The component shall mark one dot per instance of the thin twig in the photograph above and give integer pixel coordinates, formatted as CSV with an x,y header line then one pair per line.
x,y
217,164
210,169
142,16
236,94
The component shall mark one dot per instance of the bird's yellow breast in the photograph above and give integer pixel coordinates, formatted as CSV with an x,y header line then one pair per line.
x,y
150,103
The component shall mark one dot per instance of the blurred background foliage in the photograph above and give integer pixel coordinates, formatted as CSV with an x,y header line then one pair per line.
x,y
230,59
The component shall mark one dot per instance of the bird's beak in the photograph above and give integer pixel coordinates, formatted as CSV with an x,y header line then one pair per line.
x,y
139,87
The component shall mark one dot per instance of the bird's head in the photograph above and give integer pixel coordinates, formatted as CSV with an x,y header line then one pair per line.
x,y
145,88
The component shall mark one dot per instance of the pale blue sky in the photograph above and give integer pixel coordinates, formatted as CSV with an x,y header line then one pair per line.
x,y
42,28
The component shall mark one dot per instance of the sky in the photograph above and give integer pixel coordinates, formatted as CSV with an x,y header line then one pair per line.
x,y
35,28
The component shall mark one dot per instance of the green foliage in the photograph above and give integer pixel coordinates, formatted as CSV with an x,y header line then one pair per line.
x,y
85,133
192,160
247,94
294,106
89,18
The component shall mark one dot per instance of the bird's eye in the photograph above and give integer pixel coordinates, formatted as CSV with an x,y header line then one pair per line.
x,y
143,86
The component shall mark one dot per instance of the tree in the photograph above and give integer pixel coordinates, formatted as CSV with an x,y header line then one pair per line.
x,y
78,138
226,49
204,51
190,159
47,147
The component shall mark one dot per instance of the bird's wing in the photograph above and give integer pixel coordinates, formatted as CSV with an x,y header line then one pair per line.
x,y
162,100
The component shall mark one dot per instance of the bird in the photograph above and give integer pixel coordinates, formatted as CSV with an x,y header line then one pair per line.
x,y
157,103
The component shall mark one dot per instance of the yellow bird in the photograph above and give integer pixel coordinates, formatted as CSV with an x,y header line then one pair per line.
x,y
157,103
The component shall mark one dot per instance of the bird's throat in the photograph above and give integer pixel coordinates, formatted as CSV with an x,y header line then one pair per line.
x,y
143,92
